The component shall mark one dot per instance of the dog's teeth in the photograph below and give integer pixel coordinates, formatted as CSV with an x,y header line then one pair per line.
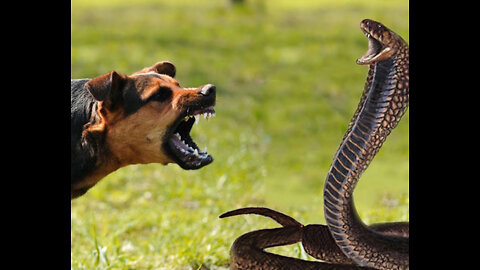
x,y
188,117
178,136
195,152
197,117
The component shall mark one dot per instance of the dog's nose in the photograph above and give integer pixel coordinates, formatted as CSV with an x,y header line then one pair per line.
x,y
208,89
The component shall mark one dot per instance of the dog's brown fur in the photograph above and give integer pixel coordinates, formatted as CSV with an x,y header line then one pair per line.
x,y
128,121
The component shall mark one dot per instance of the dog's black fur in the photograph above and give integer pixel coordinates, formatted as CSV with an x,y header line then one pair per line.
x,y
83,107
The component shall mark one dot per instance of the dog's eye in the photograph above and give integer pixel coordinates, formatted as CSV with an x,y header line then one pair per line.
x,y
162,94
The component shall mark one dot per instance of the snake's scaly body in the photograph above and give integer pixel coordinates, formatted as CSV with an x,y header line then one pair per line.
x,y
383,104
346,242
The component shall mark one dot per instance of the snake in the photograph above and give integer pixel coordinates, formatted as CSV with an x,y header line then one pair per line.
x,y
345,242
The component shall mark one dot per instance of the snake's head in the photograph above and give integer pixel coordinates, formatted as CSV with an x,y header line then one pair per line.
x,y
383,43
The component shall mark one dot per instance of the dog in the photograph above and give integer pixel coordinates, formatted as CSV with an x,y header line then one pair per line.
x,y
146,117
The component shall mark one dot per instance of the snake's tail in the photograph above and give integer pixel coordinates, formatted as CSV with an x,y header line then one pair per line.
x,y
280,218
248,252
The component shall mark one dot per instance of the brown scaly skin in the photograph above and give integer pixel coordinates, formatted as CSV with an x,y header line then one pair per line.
x,y
346,242
248,252
385,102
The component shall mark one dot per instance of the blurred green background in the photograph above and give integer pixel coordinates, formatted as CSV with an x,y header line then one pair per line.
x,y
287,86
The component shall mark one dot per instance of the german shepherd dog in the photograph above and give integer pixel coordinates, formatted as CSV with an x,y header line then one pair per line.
x,y
118,120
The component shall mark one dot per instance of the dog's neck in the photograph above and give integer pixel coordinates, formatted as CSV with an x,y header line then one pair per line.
x,y
94,161
106,167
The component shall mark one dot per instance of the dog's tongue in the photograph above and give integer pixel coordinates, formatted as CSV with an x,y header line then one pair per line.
x,y
182,146
189,152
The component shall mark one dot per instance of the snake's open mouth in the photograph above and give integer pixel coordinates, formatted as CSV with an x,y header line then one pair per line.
x,y
180,145
377,49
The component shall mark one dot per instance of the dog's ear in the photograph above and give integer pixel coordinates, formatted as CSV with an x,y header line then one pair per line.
x,y
163,67
107,88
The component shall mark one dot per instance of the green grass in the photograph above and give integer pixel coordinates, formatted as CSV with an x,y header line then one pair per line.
x,y
287,86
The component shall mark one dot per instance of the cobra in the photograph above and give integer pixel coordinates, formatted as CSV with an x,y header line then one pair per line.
x,y
345,242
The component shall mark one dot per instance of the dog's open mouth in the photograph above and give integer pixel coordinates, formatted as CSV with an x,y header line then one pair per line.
x,y
180,144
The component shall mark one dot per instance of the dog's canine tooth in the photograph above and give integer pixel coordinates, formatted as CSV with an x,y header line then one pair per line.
x,y
195,152
197,117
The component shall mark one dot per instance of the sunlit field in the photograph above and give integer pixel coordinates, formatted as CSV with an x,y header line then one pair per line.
x,y
287,86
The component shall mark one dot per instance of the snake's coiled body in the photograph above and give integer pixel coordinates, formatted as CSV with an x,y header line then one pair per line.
x,y
346,242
